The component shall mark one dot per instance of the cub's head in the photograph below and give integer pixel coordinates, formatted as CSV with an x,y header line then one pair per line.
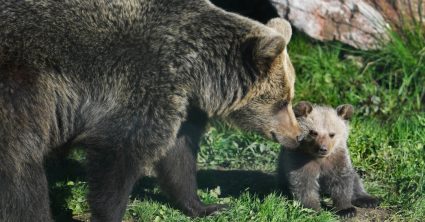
x,y
267,106
324,128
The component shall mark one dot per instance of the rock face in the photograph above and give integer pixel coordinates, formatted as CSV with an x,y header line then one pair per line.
x,y
401,12
354,22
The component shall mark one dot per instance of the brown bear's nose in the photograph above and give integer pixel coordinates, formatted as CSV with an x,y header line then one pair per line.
x,y
323,149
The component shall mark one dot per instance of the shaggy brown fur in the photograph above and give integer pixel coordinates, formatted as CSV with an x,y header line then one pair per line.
x,y
118,78
176,172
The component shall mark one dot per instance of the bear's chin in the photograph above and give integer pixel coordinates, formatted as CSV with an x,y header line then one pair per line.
x,y
285,141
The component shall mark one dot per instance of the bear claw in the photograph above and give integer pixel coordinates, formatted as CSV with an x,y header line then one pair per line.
x,y
366,202
347,213
205,210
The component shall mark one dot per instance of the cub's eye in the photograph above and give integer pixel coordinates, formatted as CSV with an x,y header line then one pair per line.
x,y
281,104
332,135
313,133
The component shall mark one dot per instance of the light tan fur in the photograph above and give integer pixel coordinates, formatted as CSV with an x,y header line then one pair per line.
x,y
322,162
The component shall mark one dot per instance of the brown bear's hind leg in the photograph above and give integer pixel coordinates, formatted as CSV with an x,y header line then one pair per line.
x,y
111,176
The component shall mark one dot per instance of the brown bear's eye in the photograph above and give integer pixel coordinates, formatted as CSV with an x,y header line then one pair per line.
x,y
313,133
281,104
332,135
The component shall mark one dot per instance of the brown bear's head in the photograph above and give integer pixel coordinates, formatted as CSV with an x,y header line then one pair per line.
x,y
325,128
267,107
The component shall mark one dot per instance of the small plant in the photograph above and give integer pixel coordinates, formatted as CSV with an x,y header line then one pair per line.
x,y
77,201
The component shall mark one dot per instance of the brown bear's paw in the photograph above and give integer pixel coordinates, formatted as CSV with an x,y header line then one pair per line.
x,y
347,213
366,202
205,210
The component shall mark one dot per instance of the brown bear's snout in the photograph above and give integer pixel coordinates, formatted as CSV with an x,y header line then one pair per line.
x,y
323,150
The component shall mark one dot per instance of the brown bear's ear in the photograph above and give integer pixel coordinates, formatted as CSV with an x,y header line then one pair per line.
x,y
303,108
260,52
282,26
345,111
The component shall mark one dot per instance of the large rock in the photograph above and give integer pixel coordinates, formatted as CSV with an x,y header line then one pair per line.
x,y
354,22
401,13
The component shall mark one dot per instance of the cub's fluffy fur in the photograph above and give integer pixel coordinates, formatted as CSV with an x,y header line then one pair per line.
x,y
322,162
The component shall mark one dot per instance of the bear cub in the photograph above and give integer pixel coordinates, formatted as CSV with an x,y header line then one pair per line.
x,y
321,164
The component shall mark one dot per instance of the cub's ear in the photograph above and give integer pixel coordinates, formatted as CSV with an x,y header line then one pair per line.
x,y
282,26
302,109
260,52
345,111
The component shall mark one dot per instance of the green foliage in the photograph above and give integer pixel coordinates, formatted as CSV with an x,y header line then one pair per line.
x,y
377,82
153,211
245,208
392,155
233,149
77,201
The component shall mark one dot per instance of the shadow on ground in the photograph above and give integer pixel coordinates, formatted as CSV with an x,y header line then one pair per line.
x,y
234,182
231,182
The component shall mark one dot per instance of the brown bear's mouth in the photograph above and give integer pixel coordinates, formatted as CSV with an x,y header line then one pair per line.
x,y
284,141
274,138
322,154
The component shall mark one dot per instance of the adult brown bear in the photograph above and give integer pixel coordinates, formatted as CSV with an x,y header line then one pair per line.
x,y
117,78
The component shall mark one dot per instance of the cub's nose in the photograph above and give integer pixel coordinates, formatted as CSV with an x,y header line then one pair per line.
x,y
323,149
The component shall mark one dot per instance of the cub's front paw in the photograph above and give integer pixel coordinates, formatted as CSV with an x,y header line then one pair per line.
x,y
366,202
347,213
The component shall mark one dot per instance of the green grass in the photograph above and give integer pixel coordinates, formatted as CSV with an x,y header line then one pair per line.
x,y
387,141
379,83
244,208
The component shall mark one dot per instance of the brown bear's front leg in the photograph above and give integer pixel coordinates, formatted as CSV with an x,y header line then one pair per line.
x,y
23,192
360,197
176,172
341,190
299,176
305,188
